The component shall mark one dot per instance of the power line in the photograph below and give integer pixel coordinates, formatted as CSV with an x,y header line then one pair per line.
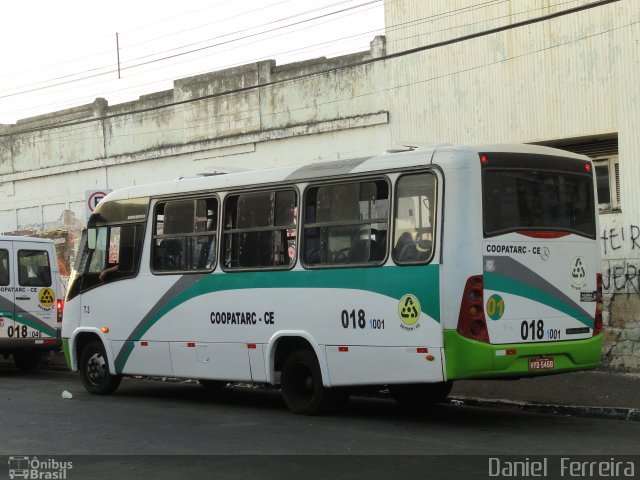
x,y
465,9
236,16
369,2
434,17
103,37
396,87
315,105
331,70
429,18
112,70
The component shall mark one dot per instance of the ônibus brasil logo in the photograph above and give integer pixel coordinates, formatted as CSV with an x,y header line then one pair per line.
x,y
34,468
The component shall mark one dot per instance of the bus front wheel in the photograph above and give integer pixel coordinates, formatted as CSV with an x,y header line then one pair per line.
x,y
94,370
302,387
418,395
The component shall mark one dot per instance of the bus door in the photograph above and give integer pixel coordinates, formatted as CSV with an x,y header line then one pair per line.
x,y
35,296
7,294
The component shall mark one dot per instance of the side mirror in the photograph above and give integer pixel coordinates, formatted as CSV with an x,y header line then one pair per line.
x,y
91,238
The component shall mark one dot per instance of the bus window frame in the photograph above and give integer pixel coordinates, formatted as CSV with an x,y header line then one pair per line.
x,y
91,252
77,282
436,223
262,189
152,214
506,231
342,181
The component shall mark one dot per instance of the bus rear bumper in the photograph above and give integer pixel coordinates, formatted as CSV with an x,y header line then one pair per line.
x,y
11,345
466,358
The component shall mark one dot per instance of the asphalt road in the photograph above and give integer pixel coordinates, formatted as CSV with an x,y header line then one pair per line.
x,y
147,417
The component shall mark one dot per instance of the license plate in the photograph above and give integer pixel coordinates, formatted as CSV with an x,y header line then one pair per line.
x,y
541,363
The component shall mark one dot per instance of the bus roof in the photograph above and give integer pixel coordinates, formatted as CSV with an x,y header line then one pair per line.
x,y
412,157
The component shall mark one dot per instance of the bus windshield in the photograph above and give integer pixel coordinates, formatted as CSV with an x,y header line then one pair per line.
x,y
522,199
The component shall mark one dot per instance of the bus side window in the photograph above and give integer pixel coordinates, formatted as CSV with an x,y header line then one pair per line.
x,y
184,235
414,220
346,224
260,230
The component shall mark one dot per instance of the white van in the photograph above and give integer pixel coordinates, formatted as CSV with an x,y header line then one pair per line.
x,y
31,299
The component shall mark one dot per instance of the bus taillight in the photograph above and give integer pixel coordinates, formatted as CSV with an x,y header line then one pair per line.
x,y
597,324
471,321
59,310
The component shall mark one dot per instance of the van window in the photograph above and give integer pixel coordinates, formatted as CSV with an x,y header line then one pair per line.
x,y
34,269
4,267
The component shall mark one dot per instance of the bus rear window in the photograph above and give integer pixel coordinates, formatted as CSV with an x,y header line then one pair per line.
x,y
522,199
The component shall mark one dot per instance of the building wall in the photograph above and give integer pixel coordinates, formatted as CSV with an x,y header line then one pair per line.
x,y
573,77
212,122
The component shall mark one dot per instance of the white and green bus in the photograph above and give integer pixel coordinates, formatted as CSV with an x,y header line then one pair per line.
x,y
408,270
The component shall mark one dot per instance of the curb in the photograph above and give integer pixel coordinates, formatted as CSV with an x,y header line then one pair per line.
x,y
619,413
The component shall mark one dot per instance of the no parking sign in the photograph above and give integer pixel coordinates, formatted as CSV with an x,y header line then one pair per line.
x,y
92,198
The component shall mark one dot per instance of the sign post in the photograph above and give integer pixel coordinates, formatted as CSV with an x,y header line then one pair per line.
x,y
92,198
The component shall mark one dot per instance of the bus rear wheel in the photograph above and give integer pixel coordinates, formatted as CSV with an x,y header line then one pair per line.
x,y
302,387
94,370
27,361
418,395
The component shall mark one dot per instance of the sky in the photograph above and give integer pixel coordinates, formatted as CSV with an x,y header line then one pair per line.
x,y
57,55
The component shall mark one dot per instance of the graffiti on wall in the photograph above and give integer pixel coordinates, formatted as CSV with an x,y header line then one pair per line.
x,y
621,259
618,238
621,276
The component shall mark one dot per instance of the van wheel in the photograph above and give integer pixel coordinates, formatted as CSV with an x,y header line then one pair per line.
x,y
94,370
302,387
419,395
27,361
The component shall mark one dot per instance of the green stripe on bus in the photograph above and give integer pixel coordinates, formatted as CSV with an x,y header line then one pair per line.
x,y
67,352
389,281
41,327
504,284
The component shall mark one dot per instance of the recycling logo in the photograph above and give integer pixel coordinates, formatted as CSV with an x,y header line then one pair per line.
x,y
578,270
409,312
46,297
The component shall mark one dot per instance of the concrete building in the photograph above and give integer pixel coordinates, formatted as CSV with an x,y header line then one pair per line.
x,y
571,81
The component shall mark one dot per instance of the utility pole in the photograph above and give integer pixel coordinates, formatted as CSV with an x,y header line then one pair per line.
x,y
118,53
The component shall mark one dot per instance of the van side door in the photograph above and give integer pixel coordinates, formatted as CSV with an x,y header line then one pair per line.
x,y
35,297
7,293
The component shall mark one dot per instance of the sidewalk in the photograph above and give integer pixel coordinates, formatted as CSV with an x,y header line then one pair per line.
x,y
592,393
